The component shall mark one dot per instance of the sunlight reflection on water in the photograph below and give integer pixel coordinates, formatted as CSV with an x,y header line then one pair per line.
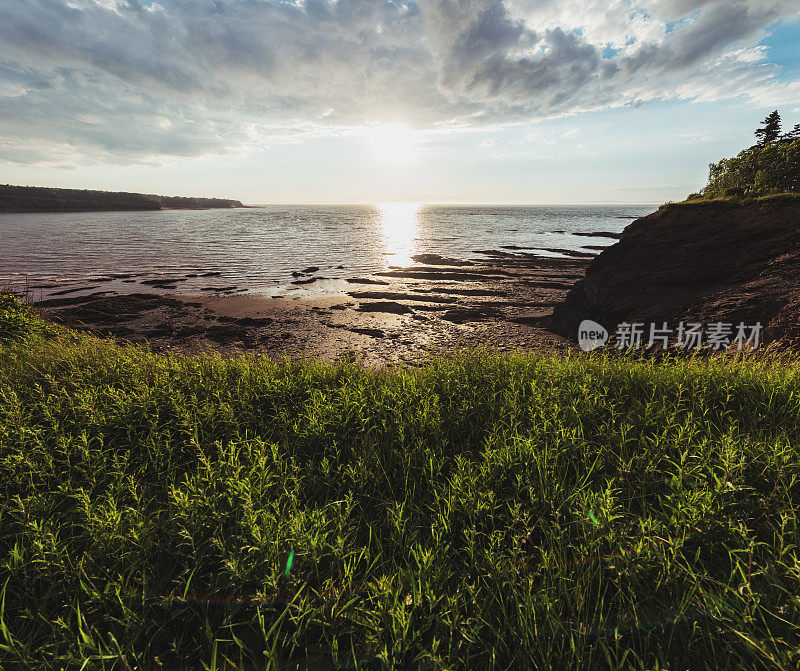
x,y
399,224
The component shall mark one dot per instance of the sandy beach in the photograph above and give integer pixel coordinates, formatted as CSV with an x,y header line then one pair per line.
x,y
398,316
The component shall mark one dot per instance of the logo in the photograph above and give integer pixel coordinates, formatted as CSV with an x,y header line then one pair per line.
x,y
687,335
591,335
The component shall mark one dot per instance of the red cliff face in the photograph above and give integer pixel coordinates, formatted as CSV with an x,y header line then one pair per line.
x,y
697,262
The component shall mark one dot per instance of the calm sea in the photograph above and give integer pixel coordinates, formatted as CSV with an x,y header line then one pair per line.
x,y
257,249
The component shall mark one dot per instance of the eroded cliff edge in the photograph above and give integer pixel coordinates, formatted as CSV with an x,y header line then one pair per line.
x,y
706,262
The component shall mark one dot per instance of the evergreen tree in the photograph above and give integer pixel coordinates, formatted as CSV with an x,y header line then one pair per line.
x,y
770,167
771,130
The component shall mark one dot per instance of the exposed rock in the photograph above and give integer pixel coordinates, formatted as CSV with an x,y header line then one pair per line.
x,y
495,252
162,281
64,292
64,302
555,250
465,314
696,262
601,234
375,333
463,292
385,306
226,334
111,308
547,284
424,273
254,321
569,252
436,260
190,331
436,307
365,280
400,296
308,281
244,321
311,269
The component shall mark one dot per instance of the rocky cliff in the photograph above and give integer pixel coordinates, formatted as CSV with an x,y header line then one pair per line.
x,y
703,262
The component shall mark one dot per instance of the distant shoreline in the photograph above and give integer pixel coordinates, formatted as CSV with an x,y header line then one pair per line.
x,y
130,209
25,199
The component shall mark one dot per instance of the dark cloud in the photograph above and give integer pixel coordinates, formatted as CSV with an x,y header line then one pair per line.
x,y
129,80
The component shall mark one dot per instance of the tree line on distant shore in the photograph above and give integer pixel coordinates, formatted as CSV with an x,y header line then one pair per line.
x,y
770,166
43,199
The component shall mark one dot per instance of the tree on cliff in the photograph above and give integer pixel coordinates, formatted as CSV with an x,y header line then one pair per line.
x,y
772,166
770,131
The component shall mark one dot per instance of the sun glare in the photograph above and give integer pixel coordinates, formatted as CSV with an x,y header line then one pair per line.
x,y
392,143
399,229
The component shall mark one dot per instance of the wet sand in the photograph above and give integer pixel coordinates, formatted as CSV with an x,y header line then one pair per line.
x,y
502,302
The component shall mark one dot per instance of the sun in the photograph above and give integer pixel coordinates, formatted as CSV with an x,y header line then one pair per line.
x,y
392,143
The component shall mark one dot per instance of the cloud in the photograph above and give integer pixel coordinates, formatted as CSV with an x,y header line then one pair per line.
x,y
128,80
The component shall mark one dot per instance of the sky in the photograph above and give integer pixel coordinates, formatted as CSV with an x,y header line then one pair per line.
x,y
352,101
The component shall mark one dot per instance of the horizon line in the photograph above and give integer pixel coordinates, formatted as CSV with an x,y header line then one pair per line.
x,y
377,203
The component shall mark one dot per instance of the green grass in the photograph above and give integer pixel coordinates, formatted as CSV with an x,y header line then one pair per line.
x,y
728,201
482,511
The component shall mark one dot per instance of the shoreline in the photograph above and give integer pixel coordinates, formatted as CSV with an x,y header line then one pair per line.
x,y
16,199
129,209
397,316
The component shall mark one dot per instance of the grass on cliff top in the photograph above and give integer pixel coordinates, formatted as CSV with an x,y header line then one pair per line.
x,y
730,201
482,511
